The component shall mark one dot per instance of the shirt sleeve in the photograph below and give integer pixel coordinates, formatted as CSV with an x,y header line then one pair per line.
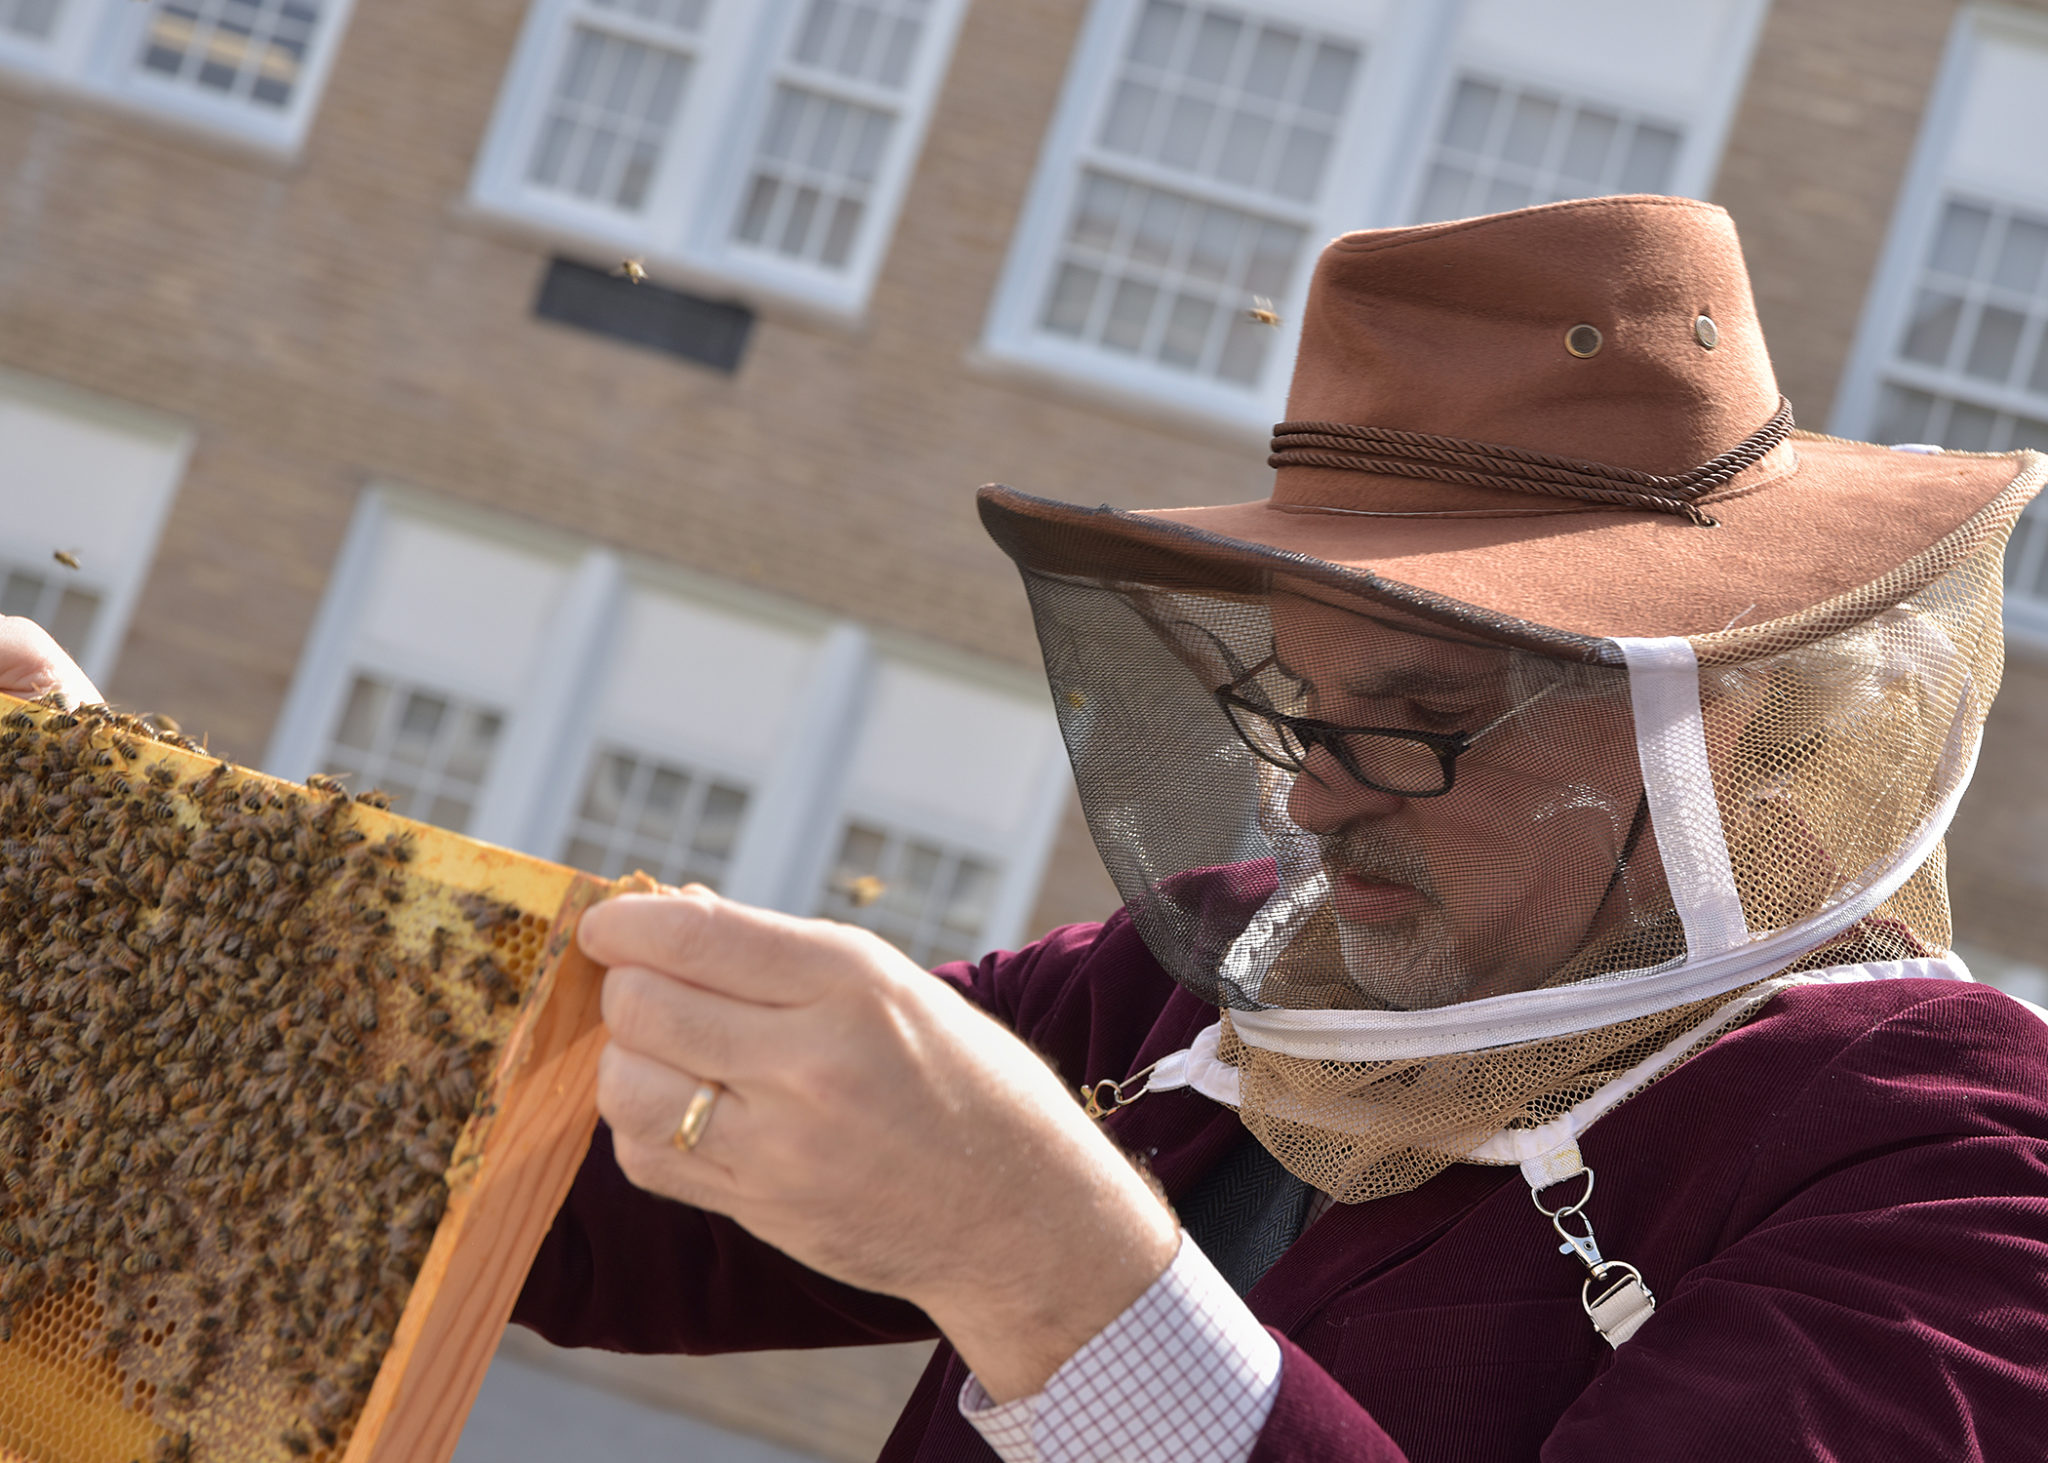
x,y
1186,1374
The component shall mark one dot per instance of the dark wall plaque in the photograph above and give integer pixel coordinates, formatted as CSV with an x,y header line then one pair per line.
x,y
710,332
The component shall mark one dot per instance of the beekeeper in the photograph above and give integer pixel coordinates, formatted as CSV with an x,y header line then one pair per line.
x,y
1533,994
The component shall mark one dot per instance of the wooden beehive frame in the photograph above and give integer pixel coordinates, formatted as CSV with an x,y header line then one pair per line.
x,y
512,1163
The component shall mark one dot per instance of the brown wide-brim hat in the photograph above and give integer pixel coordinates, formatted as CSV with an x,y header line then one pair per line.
x,y
1550,426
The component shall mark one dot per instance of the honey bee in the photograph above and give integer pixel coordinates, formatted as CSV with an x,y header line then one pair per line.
x,y
863,890
1076,699
1262,312
67,557
629,269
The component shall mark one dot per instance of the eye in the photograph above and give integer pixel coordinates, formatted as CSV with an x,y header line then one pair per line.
x,y
1439,717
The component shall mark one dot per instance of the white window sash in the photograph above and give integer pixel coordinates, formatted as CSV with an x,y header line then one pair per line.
x,y
1414,55
1365,131
684,231
797,796
95,50
1931,181
1702,118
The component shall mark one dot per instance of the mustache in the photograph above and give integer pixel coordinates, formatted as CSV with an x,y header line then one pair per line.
x,y
1371,854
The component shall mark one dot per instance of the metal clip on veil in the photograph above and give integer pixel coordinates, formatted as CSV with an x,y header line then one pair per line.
x,y
1615,1297
1105,1097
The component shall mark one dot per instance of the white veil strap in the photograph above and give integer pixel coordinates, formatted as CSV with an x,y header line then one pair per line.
x,y
1671,746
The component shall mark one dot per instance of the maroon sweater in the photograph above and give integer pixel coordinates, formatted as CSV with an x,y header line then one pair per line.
x,y
1842,1208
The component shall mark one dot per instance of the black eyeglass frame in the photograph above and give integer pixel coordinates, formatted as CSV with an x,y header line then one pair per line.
x,y
1330,735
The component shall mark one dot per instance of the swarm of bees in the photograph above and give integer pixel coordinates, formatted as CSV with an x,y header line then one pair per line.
x,y
232,1075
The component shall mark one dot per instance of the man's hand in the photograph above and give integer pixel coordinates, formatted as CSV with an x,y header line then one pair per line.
x,y
875,1126
31,664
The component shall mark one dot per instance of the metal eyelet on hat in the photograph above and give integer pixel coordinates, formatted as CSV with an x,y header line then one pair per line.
x,y
1584,341
1706,332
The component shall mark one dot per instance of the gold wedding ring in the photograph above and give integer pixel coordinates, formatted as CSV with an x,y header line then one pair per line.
x,y
697,1116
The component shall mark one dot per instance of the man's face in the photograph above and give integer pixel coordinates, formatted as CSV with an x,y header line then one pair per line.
x,y
1494,885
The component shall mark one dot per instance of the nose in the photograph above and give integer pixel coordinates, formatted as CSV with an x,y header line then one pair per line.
x,y
1326,798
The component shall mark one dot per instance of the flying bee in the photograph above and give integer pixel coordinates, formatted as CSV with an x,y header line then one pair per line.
x,y
630,269
67,557
862,890
1262,312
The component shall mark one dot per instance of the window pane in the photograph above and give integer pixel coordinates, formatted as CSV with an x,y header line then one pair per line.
x,y
1903,416
22,594
71,626
1470,116
638,813
864,40
1652,155
363,715
431,756
2027,432
1996,342
1505,147
609,118
1329,78
718,822
248,49
1589,146
31,18
610,786
1203,92
815,161
931,900
1933,327
1528,134
2022,256
1961,240
1073,295
1969,427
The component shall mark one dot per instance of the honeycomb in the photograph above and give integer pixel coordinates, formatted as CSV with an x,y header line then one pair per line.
x,y
252,1037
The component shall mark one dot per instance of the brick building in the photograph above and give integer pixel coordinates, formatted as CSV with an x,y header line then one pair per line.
x,y
311,349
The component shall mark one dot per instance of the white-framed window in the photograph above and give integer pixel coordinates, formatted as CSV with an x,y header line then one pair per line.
x,y
91,479
1205,149
1953,348
619,715
764,143
251,69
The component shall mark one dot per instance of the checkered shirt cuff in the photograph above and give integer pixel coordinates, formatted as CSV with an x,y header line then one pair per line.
x,y
1187,1374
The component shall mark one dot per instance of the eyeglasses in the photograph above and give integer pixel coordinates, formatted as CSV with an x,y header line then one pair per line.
x,y
1408,764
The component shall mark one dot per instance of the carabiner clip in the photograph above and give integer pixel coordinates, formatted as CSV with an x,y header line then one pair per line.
x,y
1100,1106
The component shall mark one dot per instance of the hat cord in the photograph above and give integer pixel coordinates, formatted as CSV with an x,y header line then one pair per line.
x,y
1352,448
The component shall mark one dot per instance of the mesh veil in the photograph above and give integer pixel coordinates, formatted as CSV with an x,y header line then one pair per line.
x,y
1315,800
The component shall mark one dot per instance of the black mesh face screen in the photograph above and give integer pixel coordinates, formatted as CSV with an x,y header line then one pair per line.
x,y
1309,802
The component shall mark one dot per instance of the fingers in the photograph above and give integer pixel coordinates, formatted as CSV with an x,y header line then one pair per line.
x,y
748,954
688,1028
644,1101
31,664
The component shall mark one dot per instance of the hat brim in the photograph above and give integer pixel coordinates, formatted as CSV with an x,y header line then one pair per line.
x,y
1560,577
